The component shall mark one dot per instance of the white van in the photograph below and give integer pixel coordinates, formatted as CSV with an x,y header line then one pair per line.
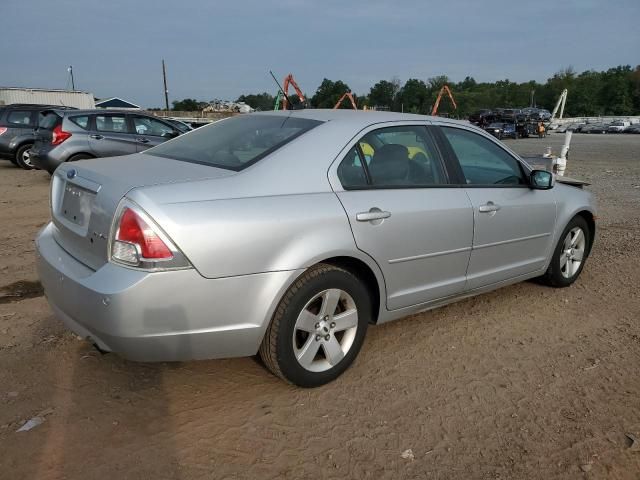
x,y
618,126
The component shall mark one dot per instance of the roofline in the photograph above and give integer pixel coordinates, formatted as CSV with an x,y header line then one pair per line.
x,y
117,98
46,90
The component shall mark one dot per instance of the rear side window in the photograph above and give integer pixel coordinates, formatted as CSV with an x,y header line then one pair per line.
x,y
48,120
235,143
482,161
81,120
403,156
111,123
19,117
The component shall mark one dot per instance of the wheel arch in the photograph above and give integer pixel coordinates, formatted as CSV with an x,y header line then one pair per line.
x,y
90,155
365,273
590,218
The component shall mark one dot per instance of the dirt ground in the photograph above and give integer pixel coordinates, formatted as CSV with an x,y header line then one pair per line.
x,y
526,382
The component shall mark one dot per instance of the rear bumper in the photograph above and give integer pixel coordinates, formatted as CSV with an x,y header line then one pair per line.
x,y
161,316
48,159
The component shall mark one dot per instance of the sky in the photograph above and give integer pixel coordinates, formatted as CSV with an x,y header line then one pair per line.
x,y
222,49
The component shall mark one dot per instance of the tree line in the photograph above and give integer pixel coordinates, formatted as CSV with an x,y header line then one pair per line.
x,y
615,91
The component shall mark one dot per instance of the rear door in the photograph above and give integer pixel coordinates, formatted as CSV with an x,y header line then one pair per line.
x,y
19,126
513,224
111,135
151,131
405,214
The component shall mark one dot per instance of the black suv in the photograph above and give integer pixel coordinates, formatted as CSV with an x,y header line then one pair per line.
x,y
17,123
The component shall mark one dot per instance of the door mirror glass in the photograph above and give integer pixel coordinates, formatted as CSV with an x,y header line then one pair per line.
x,y
173,134
541,180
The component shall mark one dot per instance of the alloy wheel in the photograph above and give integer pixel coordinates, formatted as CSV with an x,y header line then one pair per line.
x,y
325,330
572,252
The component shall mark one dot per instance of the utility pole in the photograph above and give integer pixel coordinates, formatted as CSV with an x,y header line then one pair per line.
x,y
166,91
73,85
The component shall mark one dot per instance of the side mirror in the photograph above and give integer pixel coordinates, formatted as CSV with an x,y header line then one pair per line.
x,y
172,134
541,180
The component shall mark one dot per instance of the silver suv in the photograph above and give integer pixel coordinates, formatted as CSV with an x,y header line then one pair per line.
x,y
67,136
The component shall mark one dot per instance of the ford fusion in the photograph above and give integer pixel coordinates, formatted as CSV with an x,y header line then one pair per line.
x,y
286,234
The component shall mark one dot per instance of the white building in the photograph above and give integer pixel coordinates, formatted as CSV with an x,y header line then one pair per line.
x,y
42,96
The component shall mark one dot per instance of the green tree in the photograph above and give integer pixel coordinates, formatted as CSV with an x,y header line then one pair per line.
x,y
188,105
260,101
328,93
383,94
414,96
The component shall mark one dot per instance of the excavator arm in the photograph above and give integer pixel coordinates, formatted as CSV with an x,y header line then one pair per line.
x,y
348,95
290,81
443,90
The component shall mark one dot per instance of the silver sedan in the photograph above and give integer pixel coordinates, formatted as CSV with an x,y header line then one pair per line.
x,y
288,233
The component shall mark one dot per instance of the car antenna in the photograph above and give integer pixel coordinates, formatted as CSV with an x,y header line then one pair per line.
x,y
280,88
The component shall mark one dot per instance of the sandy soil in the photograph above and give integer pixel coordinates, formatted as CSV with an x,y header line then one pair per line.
x,y
526,382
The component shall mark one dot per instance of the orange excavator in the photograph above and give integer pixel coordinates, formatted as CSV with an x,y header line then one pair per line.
x,y
282,94
443,90
348,95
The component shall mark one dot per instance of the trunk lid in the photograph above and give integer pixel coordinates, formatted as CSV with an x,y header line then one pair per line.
x,y
86,194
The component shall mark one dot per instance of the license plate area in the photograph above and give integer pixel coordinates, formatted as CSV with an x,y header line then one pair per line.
x,y
76,205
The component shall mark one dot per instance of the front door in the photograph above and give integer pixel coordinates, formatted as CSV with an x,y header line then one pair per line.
x,y
110,136
405,215
513,223
151,132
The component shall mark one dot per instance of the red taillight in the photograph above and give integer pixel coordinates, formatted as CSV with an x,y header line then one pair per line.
x,y
2,130
58,135
134,230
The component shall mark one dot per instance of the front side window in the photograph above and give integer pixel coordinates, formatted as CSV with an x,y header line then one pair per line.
x,y
19,117
151,126
111,123
401,156
236,142
482,161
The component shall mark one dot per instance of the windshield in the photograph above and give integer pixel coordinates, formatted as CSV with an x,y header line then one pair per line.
x,y
235,143
495,125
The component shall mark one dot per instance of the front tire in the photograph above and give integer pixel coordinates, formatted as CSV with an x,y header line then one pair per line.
x,y
570,254
23,157
318,327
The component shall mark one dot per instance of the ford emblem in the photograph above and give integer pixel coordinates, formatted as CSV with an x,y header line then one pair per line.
x,y
72,173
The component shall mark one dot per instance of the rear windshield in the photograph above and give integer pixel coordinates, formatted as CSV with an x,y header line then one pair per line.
x,y
48,119
235,143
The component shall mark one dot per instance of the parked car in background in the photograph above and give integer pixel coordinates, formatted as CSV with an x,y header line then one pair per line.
x,y
71,135
179,124
618,126
633,129
502,130
597,128
481,117
17,124
511,114
279,232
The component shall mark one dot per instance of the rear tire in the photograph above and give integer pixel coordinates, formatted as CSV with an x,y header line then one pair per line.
x,y
23,157
318,327
570,254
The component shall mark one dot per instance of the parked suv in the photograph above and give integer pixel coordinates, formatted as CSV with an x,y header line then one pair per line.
x,y
67,136
17,122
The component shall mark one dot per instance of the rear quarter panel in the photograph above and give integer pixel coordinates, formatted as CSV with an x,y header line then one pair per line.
x,y
240,236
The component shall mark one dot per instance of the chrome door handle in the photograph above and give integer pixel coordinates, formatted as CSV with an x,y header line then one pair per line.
x,y
489,207
372,215
142,140
97,137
